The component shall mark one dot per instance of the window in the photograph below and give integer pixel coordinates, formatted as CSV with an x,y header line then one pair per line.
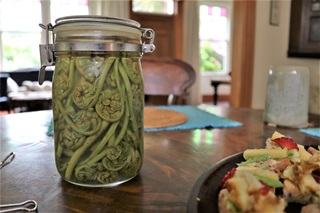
x,y
20,35
159,6
214,36
60,8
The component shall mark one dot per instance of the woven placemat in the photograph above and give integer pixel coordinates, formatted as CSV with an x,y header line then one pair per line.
x,y
197,119
159,118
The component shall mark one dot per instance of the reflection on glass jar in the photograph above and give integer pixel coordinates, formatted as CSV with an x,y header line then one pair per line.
x,y
98,100
287,96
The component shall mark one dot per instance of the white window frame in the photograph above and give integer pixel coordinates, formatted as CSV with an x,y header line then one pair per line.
x,y
229,6
206,77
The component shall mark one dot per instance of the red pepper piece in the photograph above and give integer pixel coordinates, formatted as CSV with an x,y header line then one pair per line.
x,y
285,142
227,176
265,188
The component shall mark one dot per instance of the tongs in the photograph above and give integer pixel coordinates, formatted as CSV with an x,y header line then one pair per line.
x,y
28,205
7,160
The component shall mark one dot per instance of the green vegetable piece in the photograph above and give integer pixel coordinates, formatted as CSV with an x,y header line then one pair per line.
x,y
79,152
90,128
132,69
83,94
63,80
110,106
97,110
90,67
255,159
270,182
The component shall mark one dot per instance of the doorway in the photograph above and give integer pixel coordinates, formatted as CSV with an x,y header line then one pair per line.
x,y
242,37
215,21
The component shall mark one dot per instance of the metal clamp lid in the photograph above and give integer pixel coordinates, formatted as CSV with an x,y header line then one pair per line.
x,y
47,50
148,34
46,53
97,19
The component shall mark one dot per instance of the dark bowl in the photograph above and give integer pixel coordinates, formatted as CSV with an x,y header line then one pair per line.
x,y
204,194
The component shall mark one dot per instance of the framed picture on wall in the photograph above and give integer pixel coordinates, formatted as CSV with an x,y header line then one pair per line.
x,y
304,34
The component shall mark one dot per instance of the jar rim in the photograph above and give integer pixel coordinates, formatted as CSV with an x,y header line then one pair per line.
x,y
97,19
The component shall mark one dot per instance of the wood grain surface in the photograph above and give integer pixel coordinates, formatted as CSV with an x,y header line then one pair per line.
x,y
173,162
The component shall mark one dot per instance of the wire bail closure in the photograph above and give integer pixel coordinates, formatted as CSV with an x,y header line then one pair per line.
x,y
47,50
148,34
46,53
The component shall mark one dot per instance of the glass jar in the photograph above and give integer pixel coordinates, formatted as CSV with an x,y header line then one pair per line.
x,y
287,96
97,97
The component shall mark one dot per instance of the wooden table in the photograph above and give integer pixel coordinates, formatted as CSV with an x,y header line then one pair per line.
x,y
173,162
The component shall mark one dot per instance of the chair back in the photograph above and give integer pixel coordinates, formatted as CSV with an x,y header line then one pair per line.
x,y
167,77
3,84
4,100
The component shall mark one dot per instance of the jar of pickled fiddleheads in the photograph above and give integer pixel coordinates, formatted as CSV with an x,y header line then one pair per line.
x,y
97,97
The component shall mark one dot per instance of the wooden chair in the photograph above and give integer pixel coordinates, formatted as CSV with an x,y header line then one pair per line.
x,y
169,78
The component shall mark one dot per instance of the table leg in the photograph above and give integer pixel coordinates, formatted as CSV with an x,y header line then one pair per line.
x,y
215,92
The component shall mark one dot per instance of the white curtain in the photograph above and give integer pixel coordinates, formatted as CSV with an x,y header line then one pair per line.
x,y
191,47
114,8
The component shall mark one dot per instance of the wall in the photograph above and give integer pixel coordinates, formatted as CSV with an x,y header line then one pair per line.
x,y
271,45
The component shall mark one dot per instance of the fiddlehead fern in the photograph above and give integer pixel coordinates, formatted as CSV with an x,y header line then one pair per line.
x,y
110,105
91,125
64,83
80,152
133,69
90,67
71,139
83,94
129,96
134,162
87,121
98,123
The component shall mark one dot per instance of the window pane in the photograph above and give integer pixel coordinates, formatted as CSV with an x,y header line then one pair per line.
x,y
19,34
10,21
213,22
18,53
214,34
60,8
159,6
213,55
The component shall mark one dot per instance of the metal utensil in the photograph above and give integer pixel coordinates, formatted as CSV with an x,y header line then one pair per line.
x,y
28,205
7,160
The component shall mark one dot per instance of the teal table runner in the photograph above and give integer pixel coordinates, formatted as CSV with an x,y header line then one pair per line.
x,y
197,119
311,131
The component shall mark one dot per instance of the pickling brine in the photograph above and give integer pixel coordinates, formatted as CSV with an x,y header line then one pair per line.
x,y
98,104
98,118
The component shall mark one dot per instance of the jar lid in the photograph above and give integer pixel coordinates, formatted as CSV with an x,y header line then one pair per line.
x,y
97,19
93,33
96,33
